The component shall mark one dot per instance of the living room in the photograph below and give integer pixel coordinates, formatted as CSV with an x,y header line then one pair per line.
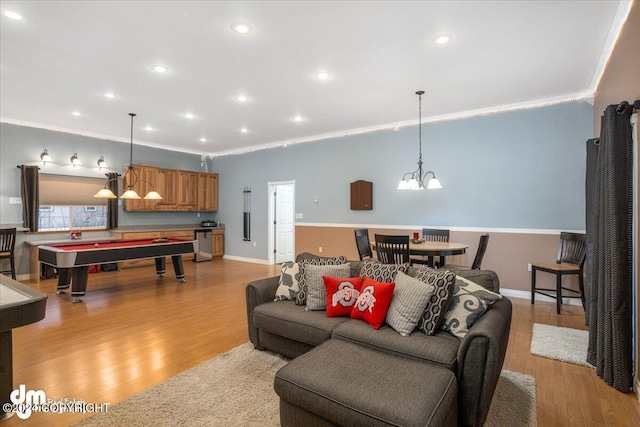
x,y
515,172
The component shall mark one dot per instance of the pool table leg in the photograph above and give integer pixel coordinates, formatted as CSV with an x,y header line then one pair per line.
x,y
177,266
80,275
160,266
64,280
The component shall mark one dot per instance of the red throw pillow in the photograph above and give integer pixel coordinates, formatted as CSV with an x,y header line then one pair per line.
x,y
341,294
373,302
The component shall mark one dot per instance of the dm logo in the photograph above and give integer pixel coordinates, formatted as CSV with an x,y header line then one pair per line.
x,y
25,400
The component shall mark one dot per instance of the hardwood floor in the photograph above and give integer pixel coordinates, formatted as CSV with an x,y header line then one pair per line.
x,y
134,331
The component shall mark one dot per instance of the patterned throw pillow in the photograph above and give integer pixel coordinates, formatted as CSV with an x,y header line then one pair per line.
x,y
373,302
341,295
442,281
381,272
410,297
469,302
288,286
301,298
316,291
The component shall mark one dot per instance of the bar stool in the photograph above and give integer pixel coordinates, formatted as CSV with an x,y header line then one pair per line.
x,y
7,248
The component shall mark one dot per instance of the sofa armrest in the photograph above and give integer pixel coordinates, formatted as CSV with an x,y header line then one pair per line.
x,y
259,292
480,359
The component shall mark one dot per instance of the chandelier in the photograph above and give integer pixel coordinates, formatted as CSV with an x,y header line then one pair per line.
x,y
133,179
415,180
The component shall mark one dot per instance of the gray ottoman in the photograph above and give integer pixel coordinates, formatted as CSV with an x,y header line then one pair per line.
x,y
340,383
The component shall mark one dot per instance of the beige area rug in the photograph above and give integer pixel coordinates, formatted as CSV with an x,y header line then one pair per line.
x,y
564,344
236,389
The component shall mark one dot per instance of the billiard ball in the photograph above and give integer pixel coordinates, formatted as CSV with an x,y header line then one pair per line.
x,y
96,245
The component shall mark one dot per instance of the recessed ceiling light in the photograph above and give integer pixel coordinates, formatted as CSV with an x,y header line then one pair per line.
x,y
242,98
109,95
148,128
244,130
160,68
298,118
203,139
323,75
241,27
76,113
443,39
13,15
189,116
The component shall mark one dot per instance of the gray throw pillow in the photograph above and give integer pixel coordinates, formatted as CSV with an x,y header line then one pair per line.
x,y
317,292
410,297
380,272
288,285
442,281
469,302
301,298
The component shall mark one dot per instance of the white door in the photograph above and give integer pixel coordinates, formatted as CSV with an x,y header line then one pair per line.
x,y
284,222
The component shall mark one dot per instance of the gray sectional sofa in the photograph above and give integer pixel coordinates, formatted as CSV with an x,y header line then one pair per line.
x,y
475,361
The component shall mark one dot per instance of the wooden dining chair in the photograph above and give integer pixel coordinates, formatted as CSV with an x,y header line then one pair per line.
x,y
392,249
477,261
432,235
569,261
7,249
363,244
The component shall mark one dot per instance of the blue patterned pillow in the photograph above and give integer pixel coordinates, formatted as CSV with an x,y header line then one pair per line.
x,y
469,302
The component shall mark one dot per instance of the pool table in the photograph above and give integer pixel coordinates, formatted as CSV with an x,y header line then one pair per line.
x,y
73,260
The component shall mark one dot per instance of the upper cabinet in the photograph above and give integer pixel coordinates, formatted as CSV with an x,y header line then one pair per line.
x,y
180,190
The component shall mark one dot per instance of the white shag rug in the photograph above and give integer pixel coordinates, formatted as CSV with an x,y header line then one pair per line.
x,y
558,343
236,389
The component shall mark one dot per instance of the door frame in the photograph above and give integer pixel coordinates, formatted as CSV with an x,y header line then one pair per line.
x,y
271,188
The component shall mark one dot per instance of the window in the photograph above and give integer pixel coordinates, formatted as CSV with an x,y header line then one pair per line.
x,y
67,202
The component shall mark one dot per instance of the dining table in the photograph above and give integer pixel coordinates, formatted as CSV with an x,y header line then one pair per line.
x,y
434,249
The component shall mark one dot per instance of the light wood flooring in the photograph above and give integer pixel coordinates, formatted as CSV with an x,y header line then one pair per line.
x,y
134,331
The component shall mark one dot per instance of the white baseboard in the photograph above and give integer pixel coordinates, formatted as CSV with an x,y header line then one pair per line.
x,y
243,259
515,293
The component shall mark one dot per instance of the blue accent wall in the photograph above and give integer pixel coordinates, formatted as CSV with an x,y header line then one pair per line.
x,y
520,169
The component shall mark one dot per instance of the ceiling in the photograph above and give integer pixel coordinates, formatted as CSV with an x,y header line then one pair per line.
x,y
64,56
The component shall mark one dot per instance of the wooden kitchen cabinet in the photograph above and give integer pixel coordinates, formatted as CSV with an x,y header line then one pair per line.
x,y
208,192
145,179
168,189
187,190
217,242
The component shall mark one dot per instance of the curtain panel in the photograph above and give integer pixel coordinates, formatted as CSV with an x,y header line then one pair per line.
x,y
609,275
112,204
30,193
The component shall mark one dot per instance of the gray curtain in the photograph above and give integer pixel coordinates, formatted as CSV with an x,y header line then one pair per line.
x,y
112,204
30,193
610,267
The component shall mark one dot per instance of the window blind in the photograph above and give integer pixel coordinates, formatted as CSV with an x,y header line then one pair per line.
x,y
63,190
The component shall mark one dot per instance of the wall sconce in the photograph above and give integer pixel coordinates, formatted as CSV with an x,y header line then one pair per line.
x,y
75,160
45,157
101,163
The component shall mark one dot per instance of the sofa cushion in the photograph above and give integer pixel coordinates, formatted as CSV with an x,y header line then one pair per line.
x,y
373,302
381,272
469,302
410,298
440,349
345,384
288,285
341,295
292,321
443,282
301,298
316,290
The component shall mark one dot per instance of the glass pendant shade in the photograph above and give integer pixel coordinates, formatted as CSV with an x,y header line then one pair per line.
x,y
130,194
105,193
434,184
153,195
